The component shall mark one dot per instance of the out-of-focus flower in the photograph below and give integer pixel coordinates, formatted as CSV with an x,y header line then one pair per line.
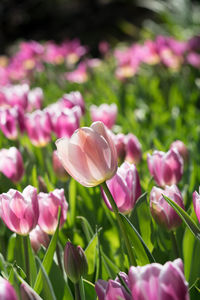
x,y
89,156
17,95
38,237
75,262
58,168
103,47
11,164
73,99
20,211
194,59
124,187
166,168
79,75
11,121
158,282
7,291
105,113
35,98
133,149
161,211
38,126
181,148
48,206
196,204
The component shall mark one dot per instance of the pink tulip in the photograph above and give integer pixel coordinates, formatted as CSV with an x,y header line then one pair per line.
x,y
17,95
166,168
48,205
133,149
79,75
27,293
20,211
38,238
180,147
162,212
35,98
119,141
89,156
38,126
157,282
58,167
7,291
104,113
196,203
73,99
11,164
124,187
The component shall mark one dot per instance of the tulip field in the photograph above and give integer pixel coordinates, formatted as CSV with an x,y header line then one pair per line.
x,y
100,170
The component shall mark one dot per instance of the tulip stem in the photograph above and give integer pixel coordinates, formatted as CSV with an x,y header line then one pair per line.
x,y
27,266
121,224
174,244
77,291
59,258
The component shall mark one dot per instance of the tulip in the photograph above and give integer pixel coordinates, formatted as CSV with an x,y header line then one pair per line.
x,y
73,99
38,238
196,203
27,293
133,149
7,291
75,262
166,168
104,113
35,98
48,206
161,211
158,282
58,167
124,187
111,290
180,147
20,211
17,95
38,126
89,156
11,164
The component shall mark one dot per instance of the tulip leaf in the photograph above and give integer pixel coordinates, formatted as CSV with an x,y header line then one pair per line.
x,y
142,252
90,253
189,222
86,228
90,293
32,263
72,202
48,258
11,247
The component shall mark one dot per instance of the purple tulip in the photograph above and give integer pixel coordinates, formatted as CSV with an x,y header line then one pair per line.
x,y
196,203
124,187
20,211
162,212
180,147
38,238
133,149
166,168
11,164
48,206
104,113
157,282
7,291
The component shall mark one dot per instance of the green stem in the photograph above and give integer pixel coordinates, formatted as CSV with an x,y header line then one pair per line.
x,y
121,224
77,291
174,244
27,266
59,258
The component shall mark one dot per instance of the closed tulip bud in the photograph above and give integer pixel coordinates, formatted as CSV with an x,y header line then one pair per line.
x,y
75,262
181,149
20,211
27,293
48,207
196,204
73,99
89,156
38,238
104,113
124,187
58,167
158,282
7,291
11,164
161,211
166,168
133,149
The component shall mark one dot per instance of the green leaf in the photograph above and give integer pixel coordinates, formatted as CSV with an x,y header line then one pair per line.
x,y
32,263
90,253
72,202
189,222
11,247
86,228
90,293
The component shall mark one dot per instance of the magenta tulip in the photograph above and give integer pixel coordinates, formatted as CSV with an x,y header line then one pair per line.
x,y
161,211
17,95
58,168
11,164
181,149
38,238
124,187
20,211
133,149
104,113
89,156
196,203
166,168
7,291
73,99
48,206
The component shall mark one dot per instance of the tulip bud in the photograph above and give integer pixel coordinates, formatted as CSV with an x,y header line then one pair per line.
x,y
133,149
104,113
161,211
75,262
7,291
58,167
180,147
38,238
196,203
27,293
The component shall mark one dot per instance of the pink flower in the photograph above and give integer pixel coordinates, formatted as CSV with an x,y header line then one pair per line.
x,y
35,98
11,164
133,149
105,113
124,187
166,168
58,167
79,75
19,211
196,204
17,95
89,156
7,291
73,99
181,148
48,205
193,59
38,238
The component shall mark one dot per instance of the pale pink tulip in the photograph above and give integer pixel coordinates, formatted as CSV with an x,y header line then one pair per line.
x,y
89,156
196,203
38,238
181,148
7,291
133,149
105,113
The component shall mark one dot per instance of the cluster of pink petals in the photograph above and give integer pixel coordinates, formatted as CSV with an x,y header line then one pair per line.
x,y
105,113
152,282
196,203
7,291
181,148
124,187
161,211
